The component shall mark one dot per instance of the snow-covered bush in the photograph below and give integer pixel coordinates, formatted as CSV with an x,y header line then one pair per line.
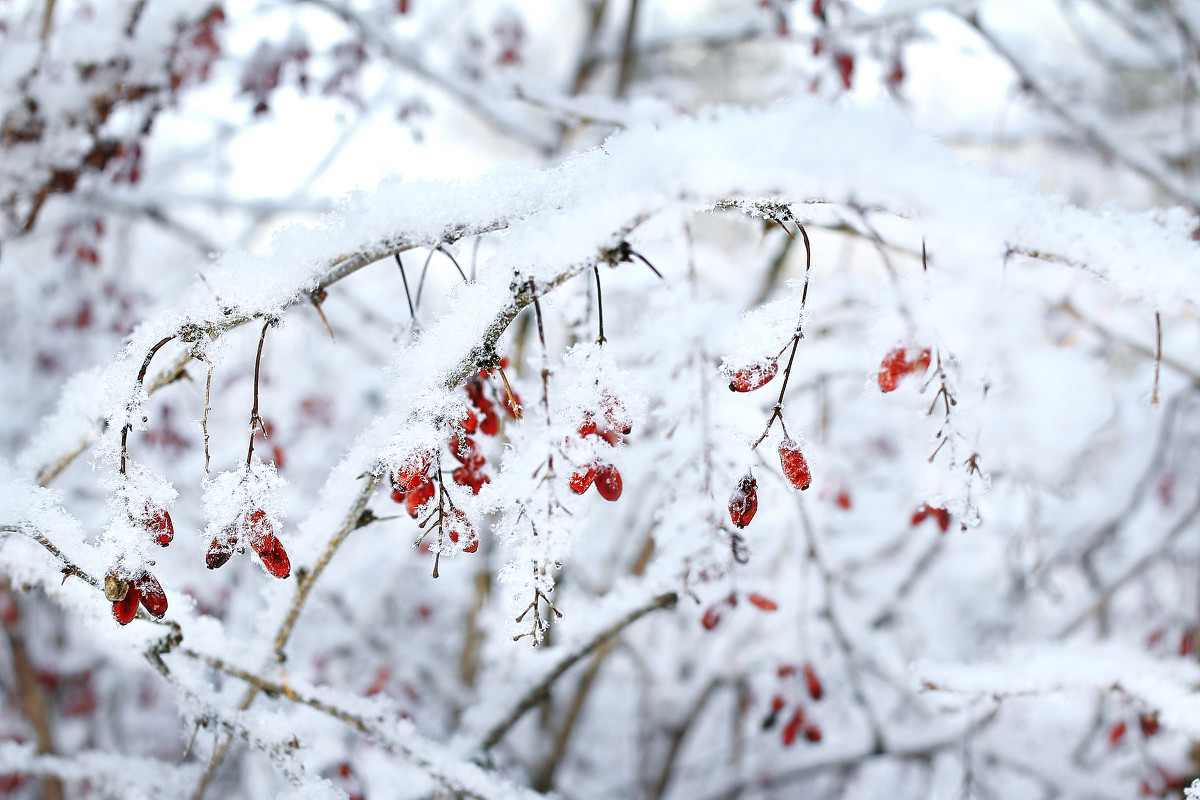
x,y
810,384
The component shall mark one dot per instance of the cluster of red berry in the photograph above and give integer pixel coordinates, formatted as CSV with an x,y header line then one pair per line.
x,y
144,588
799,721
255,527
712,615
612,427
941,515
896,365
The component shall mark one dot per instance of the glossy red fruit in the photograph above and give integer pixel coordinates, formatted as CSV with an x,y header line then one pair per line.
x,y
581,480
273,556
765,603
125,610
920,515
812,682
608,481
795,467
755,376
419,497
222,547
153,598
158,522
743,503
943,518
792,729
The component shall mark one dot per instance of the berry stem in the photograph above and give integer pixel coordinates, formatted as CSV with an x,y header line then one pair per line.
x,y
407,294
599,305
141,377
256,420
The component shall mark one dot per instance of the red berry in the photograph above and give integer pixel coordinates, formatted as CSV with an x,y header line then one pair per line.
x,y
813,683
470,423
125,610
465,476
153,598
843,500
158,522
765,603
894,365
845,67
410,474
588,426
812,733
744,501
747,379
459,528
888,380
1148,723
793,727
1117,732
777,703
608,481
580,481
273,556
222,546
920,514
943,518
921,362
795,467
711,617
419,497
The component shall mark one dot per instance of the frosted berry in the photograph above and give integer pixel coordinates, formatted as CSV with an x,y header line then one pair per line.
x,y
419,497
153,598
747,379
273,556
411,473
743,503
588,426
795,467
582,479
894,366
461,531
222,546
608,481
158,522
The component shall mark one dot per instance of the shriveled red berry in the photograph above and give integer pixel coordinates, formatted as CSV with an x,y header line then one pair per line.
x,y
812,682
608,481
755,376
153,598
222,547
158,522
126,609
582,479
743,503
419,497
1117,732
795,467
765,603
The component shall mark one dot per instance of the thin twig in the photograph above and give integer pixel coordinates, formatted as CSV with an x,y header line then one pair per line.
x,y
141,378
255,419
599,306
